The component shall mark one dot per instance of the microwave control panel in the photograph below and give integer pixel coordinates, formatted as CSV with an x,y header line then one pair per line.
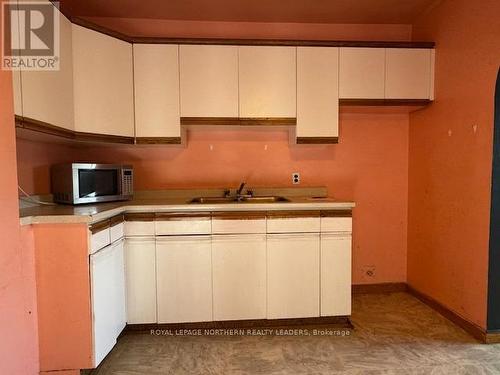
x,y
127,182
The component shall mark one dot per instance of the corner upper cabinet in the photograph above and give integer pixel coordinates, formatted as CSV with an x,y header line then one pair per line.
x,y
362,73
156,88
267,80
208,81
317,95
103,83
47,96
409,73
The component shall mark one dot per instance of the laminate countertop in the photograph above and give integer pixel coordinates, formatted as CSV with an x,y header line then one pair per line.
x,y
91,213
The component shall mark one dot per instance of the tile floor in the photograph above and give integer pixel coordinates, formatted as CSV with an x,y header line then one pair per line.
x,y
394,334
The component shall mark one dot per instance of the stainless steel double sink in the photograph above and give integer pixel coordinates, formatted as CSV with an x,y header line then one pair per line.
x,y
218,200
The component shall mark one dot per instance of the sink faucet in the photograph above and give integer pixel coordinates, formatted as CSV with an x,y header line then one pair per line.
x,y
240,189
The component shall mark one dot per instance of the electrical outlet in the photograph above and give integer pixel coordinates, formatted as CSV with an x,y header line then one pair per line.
x,y
295,178
368,272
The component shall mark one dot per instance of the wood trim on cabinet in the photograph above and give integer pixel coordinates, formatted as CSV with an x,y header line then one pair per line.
x,y
239,215
336,213
115,220
139,216
317,140
99,226
292,214
46,128
247,42
385,102
158,140
240,121
282,42
104,138
178,216
43,127
338,322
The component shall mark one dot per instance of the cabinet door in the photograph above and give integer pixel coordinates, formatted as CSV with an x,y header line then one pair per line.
x,y
140,277
293,275
362,73
239,273
184,282
335,275
267,81
103,83
16,89
209,81
317,92
408,73
120,307
48,95
103,307
156,85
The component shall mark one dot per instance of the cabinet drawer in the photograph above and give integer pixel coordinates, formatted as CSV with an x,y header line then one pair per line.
x,y
169,224
139,224
100,239
238,222
301,222
117,231
336,224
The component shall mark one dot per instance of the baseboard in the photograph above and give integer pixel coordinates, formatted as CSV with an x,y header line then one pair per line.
x,y
339,322
493,337
469,327
379,288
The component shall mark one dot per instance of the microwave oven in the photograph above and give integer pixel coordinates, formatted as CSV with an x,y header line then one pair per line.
x,y
79,183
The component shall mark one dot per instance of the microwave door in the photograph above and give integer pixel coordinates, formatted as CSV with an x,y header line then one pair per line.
x,y
96,185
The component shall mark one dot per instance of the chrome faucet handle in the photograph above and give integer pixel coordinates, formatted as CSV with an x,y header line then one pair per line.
x,y
250,192
240,189
227,193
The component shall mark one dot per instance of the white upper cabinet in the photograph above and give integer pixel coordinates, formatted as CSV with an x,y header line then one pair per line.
x,y
267,77
317,92
16,84
362,73
156,85
103,83
209,81
408,73
48,95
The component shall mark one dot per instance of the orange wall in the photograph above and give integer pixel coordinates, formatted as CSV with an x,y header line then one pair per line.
x,y
450,164
369,166
34,160
18,334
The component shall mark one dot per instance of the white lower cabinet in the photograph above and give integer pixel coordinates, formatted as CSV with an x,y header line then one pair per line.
x,y
108,298
335,274
239,276
184,279
293,285
140,270
300,268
